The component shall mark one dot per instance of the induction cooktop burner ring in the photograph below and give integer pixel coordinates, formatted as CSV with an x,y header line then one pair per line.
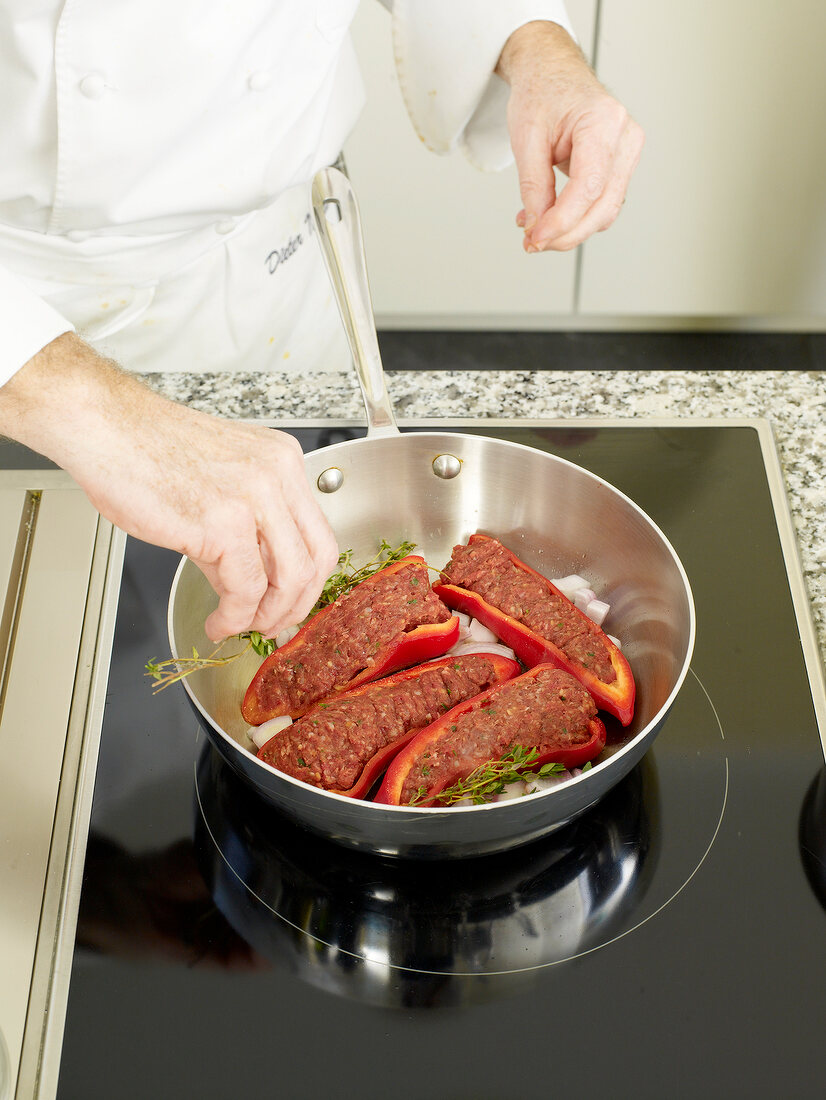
x,y
707,742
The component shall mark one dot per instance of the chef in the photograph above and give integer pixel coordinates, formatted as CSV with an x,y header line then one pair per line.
x,y
155,165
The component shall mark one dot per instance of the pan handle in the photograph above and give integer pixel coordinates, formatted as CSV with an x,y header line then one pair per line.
x,y
339,230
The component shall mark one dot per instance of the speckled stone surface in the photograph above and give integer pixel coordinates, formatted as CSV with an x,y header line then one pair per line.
x,y
794,402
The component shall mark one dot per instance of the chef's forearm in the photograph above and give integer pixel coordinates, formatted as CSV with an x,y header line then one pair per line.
x,y
540,43
66,400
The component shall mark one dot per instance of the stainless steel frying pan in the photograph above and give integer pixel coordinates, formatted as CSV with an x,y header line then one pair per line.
x,y
436,489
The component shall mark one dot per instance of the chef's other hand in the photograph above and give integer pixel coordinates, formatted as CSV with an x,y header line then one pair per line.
x,y
233,497
559,114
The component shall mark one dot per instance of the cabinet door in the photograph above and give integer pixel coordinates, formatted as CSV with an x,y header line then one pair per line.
x,y
442,245
727,212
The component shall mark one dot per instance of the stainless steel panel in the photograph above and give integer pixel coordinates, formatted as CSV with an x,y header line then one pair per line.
x,y
54,570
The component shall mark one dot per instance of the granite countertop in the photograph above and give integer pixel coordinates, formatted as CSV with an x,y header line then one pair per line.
x,y
793,401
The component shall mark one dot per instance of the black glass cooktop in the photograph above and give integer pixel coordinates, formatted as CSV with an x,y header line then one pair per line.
x,y
670,942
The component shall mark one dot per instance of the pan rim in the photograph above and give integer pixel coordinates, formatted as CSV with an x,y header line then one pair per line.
x,y
308,790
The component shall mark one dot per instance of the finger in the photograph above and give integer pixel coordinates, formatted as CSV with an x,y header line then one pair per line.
x,y
239,578
590,170
533,153
604,211
280,608
601,215
288,601
303,598
321,558
317,534
291,574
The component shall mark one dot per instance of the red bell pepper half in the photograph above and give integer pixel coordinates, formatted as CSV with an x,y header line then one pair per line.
x,y
615,695
544,709
352,737
389,621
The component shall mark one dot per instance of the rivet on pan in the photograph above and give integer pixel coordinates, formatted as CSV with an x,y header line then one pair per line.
x,y
330,480
447,466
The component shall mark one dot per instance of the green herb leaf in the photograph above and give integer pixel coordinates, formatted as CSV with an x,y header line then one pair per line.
x,y
490,779
262,646
173,669
348,576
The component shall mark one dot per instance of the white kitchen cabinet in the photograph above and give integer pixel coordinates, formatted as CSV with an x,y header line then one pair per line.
x,y
727,212
442,244
725,223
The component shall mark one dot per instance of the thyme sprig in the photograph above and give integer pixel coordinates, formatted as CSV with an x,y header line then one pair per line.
x,y
490,779
348,575
174,669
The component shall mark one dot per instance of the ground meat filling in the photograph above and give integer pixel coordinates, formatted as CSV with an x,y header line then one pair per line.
x,y
350,635
331,744
486,568
549,711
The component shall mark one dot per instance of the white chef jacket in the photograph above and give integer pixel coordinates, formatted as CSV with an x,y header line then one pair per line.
x,y
155,159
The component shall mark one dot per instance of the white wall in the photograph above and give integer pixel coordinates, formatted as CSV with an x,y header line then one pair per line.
x,y
725,224
727,214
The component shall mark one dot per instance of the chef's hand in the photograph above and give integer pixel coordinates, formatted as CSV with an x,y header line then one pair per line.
x,y
233,497
559,114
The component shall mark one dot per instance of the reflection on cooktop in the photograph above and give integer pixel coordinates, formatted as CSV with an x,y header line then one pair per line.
x,y
812,836
394,932
402,933
154,906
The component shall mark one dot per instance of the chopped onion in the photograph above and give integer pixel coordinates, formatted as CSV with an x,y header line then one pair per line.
x,y
596,611
569,585
261,734
464,624
286,635
580,593
511,791
464,649
616,641
481,633
583,596
536,785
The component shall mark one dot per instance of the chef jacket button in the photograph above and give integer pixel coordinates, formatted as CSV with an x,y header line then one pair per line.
x,y
77,235
93,86
226,226
257,82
